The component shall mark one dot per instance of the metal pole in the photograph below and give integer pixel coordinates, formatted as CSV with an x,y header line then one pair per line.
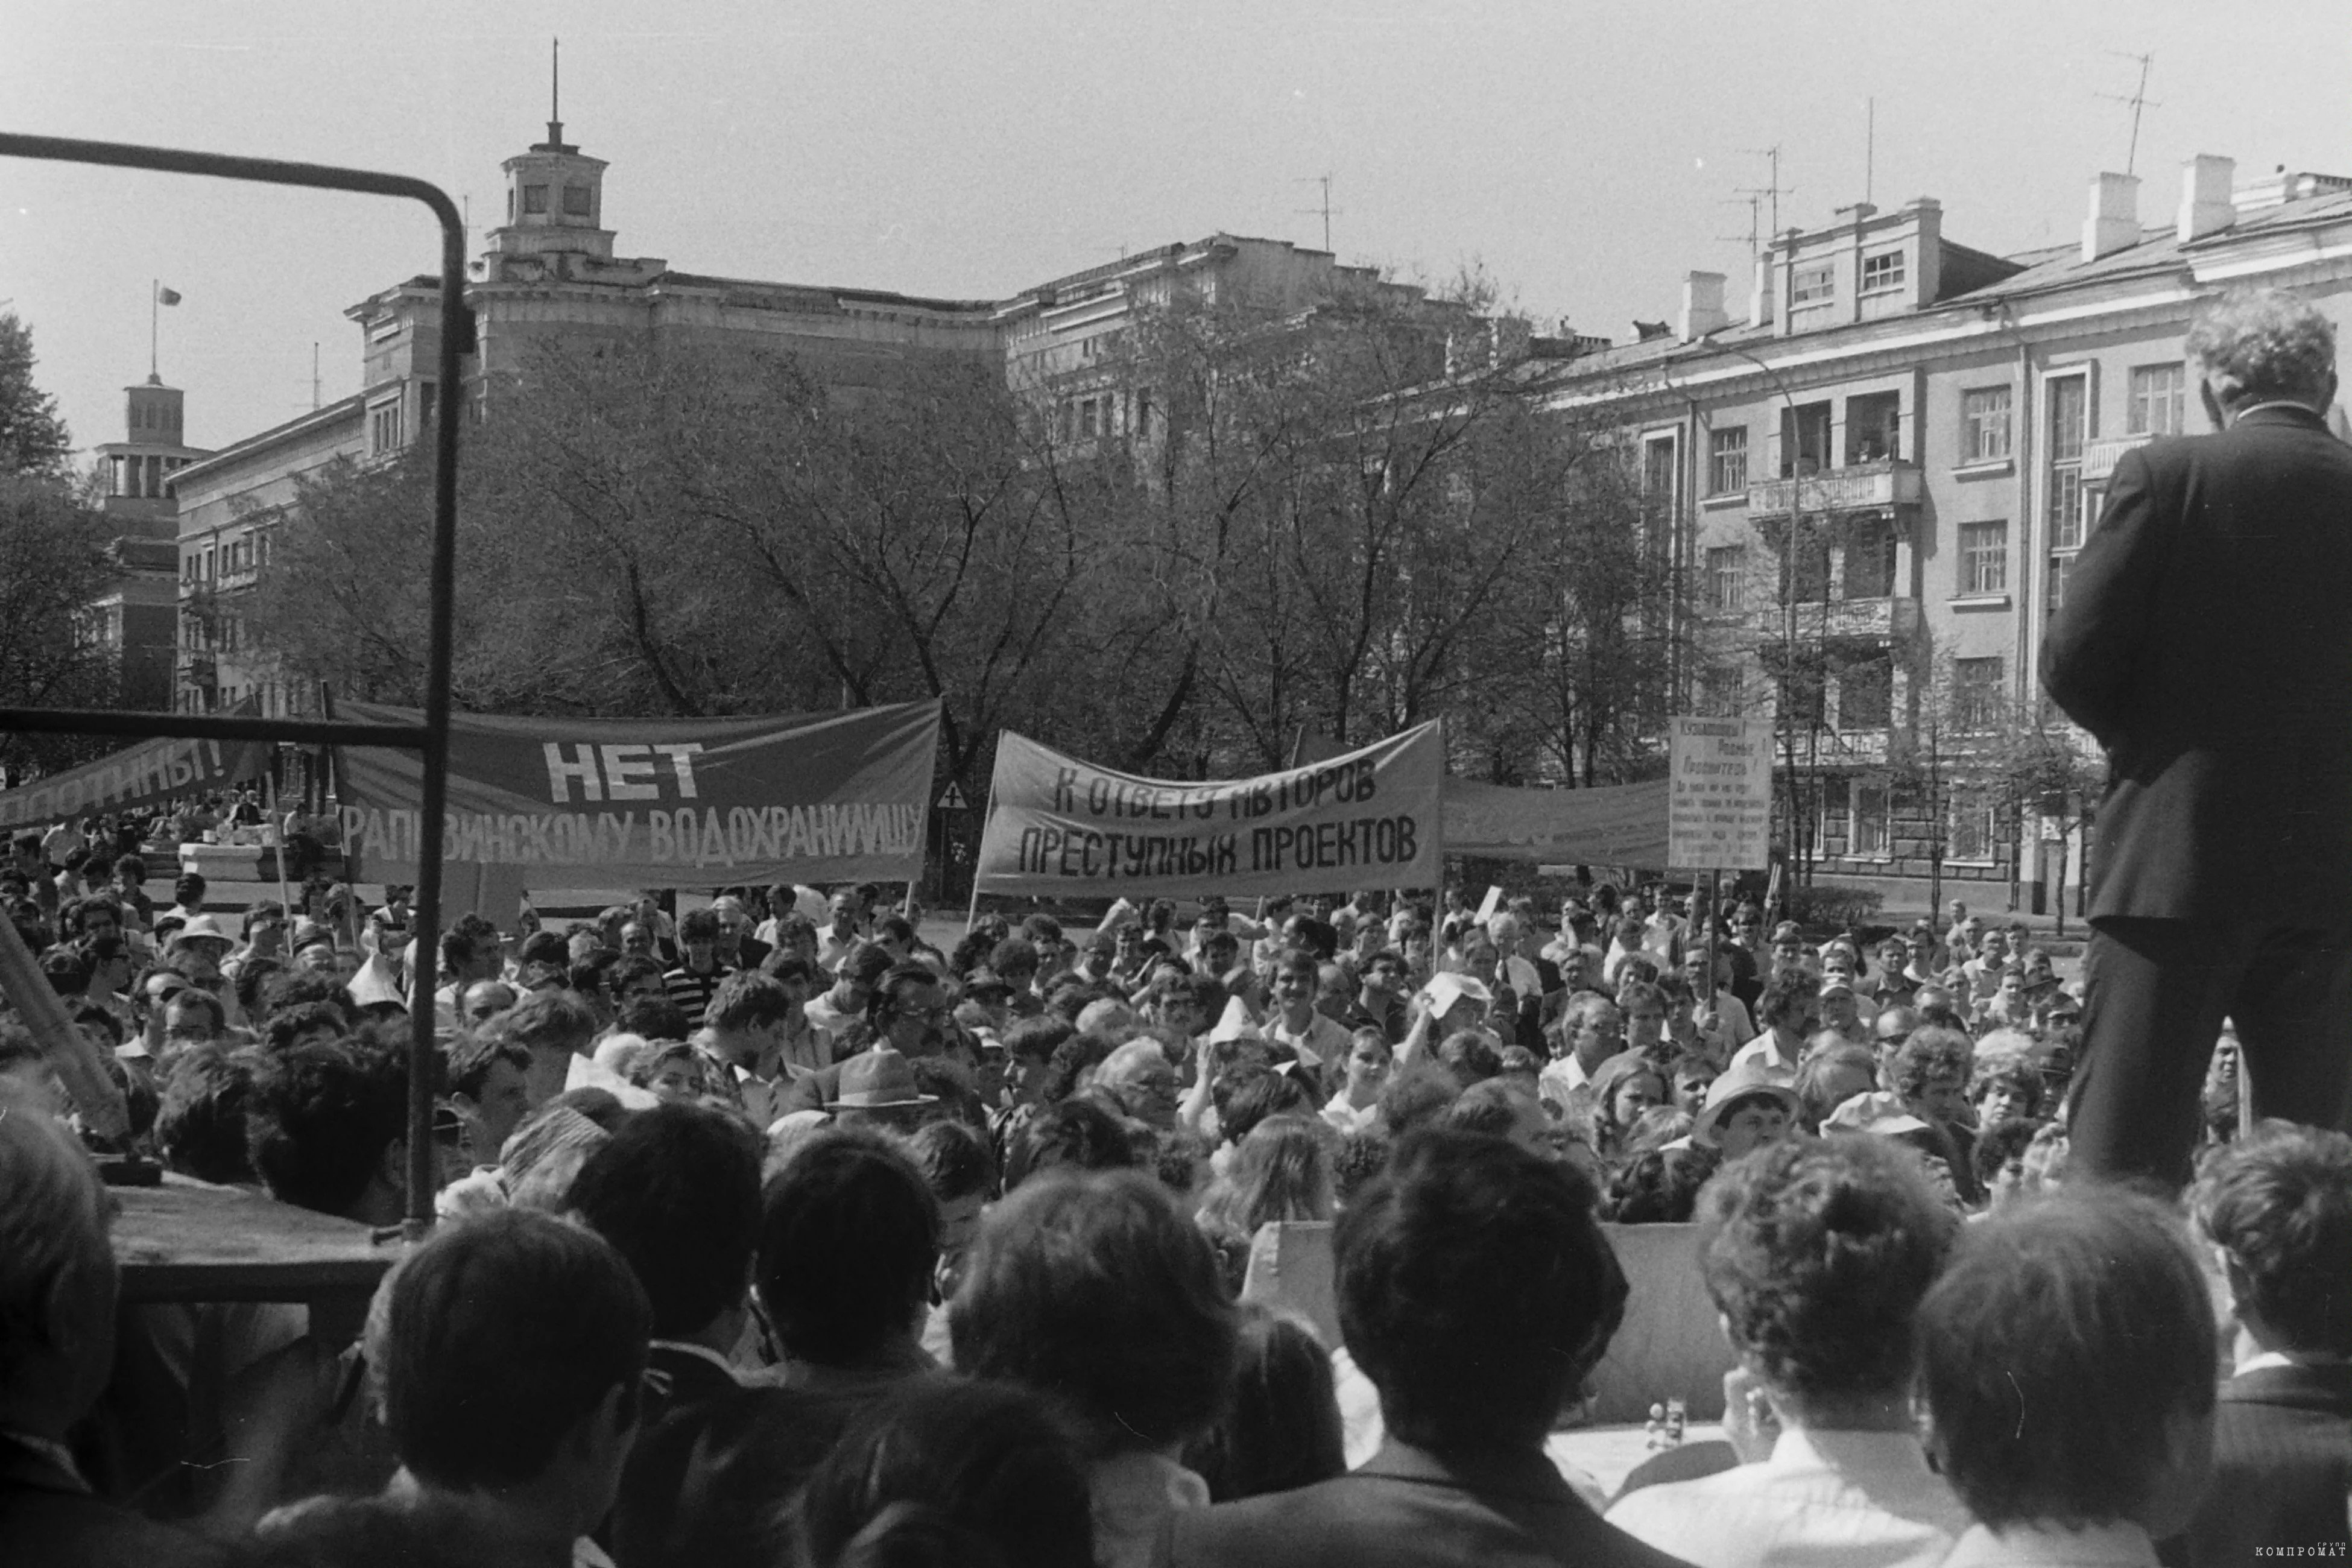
x,y
972,915
433,740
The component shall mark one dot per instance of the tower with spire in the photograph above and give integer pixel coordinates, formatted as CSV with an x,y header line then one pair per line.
x,y
555,195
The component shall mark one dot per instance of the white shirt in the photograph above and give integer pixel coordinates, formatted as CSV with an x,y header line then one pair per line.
x,y
1324,1039
1767,1059
1346,1117
1839,1500
2118,1545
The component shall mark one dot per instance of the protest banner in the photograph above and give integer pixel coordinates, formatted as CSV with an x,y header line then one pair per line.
x,y
1367,817
823,797
147,773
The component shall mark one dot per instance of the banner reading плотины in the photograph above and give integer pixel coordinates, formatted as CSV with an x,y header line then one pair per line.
x,y
1369,817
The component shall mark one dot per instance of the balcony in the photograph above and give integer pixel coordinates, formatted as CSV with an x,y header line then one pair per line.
x,y
1841,620
2100,456
1863,487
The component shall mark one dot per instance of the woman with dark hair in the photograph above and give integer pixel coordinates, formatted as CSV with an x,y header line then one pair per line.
x,y
1817,1255
1282,1171
1096,1292
948,1472
1282,1430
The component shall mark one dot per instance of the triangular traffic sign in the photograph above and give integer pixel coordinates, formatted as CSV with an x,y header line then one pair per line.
x,y
952,799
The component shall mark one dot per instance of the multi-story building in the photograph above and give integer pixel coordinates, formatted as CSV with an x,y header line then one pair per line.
x,y
551,276
1882,475
136,618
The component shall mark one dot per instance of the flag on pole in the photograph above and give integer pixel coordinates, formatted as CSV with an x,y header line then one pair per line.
x,y
167,296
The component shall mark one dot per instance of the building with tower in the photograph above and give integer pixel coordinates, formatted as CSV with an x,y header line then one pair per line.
x,y
136,619
549,275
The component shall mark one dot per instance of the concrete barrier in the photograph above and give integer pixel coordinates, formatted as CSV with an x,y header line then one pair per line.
x,y
1669,1346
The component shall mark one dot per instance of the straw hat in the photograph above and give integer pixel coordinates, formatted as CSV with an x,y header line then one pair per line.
x,y
878,1079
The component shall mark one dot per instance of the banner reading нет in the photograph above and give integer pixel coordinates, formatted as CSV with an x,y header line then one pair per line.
x,y
1371,816
652,802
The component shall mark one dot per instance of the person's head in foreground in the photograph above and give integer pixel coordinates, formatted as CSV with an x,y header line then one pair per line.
x,y
2068,1362
676,1191
1476,1290
850,1236
508,1351
2259,346
1817,1253
948,1472
57,1278
1093,1289
2278,1206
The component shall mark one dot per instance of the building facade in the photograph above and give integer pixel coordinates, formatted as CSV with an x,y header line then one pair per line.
x,y
551,276
136,619
1882,475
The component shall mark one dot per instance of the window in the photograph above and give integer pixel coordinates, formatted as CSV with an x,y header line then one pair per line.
x,y
1870,832
1874,427
1812,283
1086,425
2069,427
1883,270
2061,568
1984,558
428,403
1805,566
1718,691
1870,561
1143,411
534,198
1727,461
1976,694
385,428
1984,424
1658,467
1866,695
1727,565
2155,399
1970,834
1804,439
575,201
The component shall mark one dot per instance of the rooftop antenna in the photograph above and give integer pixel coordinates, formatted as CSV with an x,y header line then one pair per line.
x,y
2138,100
1771,190
1326,209
1869,146
314,377
1752,198
555,91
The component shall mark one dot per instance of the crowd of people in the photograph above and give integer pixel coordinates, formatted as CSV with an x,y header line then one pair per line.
x,y
769,1233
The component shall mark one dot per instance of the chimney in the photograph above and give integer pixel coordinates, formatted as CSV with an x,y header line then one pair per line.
x,y
1702,305
2113,223
1760,299
2205,206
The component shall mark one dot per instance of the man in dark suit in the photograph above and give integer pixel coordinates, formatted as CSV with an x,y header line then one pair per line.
x,y
1476,1290
2279,1207
2206,643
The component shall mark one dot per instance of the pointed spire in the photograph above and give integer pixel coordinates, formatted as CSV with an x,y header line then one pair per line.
x,y
554,142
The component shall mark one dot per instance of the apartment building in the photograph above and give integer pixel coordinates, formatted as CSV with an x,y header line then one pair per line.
x,y
1881,473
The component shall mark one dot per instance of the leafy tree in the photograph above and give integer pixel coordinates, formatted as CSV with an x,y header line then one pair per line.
x,y
52,566
32,439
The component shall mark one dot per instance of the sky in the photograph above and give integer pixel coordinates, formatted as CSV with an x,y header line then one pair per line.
x,y
1583,156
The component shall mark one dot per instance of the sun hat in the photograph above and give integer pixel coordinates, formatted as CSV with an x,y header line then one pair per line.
x,y
1743,1082
878,1079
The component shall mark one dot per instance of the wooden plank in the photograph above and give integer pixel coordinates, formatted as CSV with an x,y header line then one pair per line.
x,y
189,1241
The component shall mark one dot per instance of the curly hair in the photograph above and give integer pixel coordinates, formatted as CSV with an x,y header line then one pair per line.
x,y
2264,343
1817,1253
2280,1204
1929,1054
